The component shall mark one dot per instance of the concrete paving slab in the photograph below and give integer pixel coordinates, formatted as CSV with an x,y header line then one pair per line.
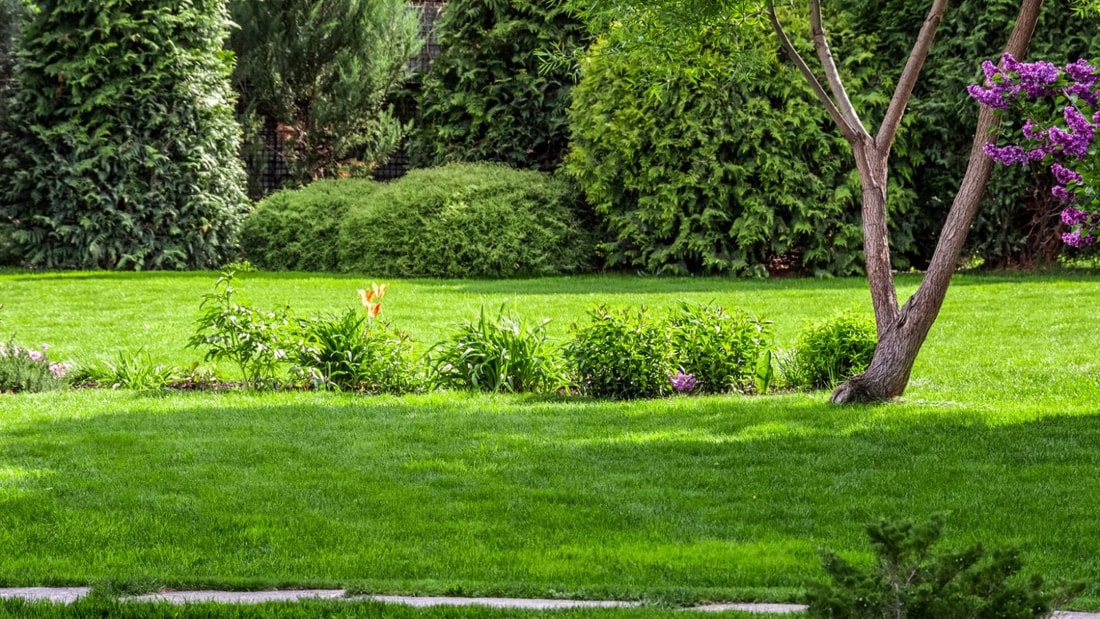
x,y
66,595
764,609
532,604
239,597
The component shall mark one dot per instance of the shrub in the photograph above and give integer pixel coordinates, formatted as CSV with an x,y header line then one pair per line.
x,y
29,369
12,15
466,220
696,167
351,352
488,95
505,354
620,354
132,370
297,230
121,147
832,351
722,351
910,581
320,71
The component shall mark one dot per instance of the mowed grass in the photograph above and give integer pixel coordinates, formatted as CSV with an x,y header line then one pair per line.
x,y
675,500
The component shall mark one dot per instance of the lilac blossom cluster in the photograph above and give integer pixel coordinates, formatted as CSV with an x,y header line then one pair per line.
x,y
1064,144
682,382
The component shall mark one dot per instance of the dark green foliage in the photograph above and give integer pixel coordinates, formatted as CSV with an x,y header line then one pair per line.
x,y
296,230
910,581
350,352
12,15
320,71
620,354
121,148
465,220
1019,219
722,350
698,167
832,351
489,96
506,354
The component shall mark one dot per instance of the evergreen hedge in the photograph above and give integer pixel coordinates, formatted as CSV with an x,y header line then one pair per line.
x,y
121,147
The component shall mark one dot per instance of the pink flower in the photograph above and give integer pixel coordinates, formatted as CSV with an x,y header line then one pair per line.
x,y
59,370
34,355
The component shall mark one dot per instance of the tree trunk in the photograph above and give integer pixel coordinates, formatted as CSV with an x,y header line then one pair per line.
x,y
901,338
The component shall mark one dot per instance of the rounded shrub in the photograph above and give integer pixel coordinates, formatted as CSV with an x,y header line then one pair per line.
x,y
832,351
699,166
620,354
722,351
297,230
467,220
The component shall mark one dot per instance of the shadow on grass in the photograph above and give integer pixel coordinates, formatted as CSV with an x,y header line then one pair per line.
x,y
689,498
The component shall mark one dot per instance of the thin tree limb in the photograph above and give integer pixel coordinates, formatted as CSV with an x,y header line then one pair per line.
x,y
785,42
832,74
904,90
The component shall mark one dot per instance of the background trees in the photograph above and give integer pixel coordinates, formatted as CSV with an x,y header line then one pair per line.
x,y
317,74
121,147
489,96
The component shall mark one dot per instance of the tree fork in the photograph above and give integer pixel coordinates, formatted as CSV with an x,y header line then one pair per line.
x,y
900,340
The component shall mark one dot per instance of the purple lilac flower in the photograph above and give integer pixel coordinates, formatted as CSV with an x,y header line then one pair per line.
x,y
1065,175
682,382
1085,92
1076,239
1036,78
1063,195
1007,155
990,97
1082,72
1073,217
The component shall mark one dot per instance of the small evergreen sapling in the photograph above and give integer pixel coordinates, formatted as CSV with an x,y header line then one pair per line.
x,y
909,581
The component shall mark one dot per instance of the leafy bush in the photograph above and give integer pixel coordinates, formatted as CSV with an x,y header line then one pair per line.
x,y
910,581
722,351
297,230
12,15
132,370
29,369
620,354
488,95
832,351
351,352
721,160
121,147
255,341
320,71
466,220
505,354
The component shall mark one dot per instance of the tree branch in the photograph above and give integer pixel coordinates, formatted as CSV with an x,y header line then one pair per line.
x,y
929,297
909,75
785,42
832,74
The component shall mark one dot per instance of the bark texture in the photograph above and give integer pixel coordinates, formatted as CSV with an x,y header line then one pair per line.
x,y
901,331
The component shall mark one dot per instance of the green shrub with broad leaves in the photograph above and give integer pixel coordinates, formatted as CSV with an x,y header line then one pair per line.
x,y
257,342
721,160
353,352
621,354
467,220
723,351
505,354
297,230
489,95
120,149
832,351
909,579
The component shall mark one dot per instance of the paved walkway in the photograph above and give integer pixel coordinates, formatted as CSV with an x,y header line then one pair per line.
x,y
71,594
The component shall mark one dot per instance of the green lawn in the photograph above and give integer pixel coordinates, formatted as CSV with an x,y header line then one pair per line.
x,y
673,500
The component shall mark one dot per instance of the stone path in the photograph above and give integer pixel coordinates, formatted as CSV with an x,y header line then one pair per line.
x,y
71,594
